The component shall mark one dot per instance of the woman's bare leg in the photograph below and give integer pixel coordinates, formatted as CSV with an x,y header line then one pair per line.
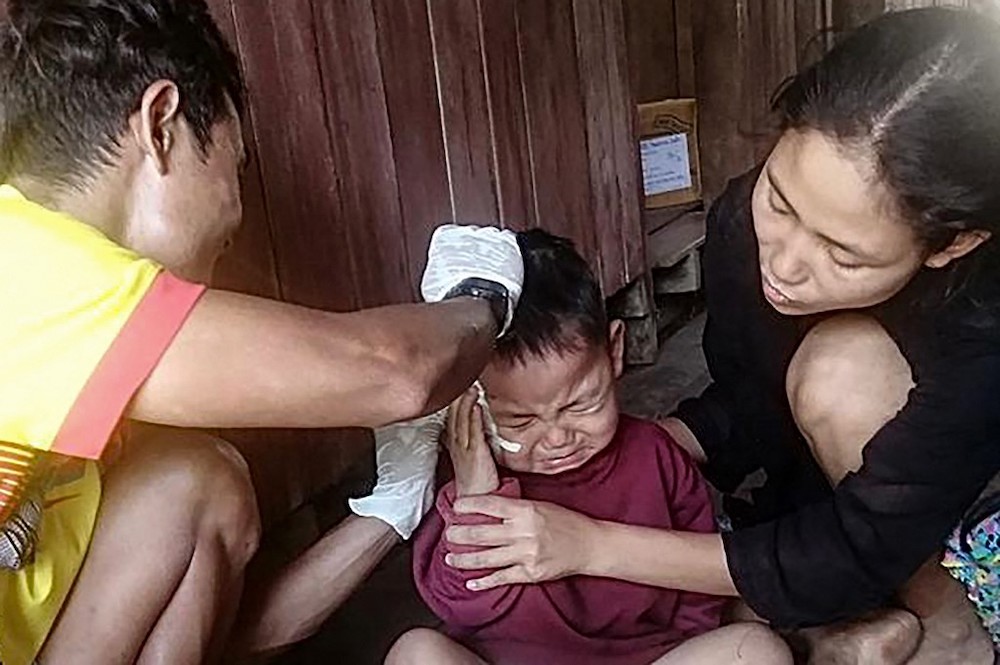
x,y
743,643
847,380
161,582
423,646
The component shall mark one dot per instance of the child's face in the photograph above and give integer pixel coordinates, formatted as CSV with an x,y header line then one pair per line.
x,y
562,409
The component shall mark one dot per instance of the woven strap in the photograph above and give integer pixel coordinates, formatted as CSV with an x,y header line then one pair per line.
x,y
19,534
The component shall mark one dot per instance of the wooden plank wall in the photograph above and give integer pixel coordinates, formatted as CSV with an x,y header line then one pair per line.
x,y
375,120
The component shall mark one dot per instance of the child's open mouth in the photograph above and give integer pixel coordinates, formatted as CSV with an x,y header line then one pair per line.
x,y
566,462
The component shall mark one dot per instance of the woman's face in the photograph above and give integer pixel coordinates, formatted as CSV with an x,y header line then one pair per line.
x,y
827,230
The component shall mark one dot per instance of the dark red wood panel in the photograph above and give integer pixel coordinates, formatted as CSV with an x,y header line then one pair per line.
x,y
605,196
720,46
358,130
622,120
687,85
411,97
652,43
299,169
464,111
512,158
556,123
249,264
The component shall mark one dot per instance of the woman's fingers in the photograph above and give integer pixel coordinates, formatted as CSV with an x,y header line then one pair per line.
x,y
486,535
498,557
504,577
501,507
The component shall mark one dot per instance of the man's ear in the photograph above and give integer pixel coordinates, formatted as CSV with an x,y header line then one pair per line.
x,y
154,126
616,346
964,243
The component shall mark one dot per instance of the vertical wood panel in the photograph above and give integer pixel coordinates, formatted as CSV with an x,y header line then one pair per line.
x,y
512,163
464,114
652,43
415,119
556,124
632,235
358,129
249,265
299,170
721,40
686,76
605,197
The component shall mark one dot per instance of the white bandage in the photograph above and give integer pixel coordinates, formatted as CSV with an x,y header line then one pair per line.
x,y
497,442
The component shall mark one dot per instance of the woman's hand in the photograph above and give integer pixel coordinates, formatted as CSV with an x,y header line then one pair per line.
x,y
475,470
536,542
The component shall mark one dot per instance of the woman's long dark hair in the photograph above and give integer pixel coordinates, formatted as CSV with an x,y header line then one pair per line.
x,y
919,91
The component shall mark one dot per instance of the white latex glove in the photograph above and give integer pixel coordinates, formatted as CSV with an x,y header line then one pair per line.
x,y
405,456
457,253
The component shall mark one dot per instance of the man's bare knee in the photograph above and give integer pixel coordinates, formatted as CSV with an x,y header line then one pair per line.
x,y
206,476
846,380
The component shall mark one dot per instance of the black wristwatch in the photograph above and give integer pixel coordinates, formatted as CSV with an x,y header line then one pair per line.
x,y
493,292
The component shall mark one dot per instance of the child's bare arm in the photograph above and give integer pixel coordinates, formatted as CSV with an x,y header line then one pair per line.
x,y
475,469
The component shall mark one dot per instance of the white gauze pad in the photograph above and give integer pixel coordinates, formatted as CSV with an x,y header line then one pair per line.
x,y
496,441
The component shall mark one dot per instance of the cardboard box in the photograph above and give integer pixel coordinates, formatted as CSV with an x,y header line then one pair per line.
x,y
668,146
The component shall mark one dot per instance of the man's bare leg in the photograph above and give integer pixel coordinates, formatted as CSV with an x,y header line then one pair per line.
x,y
177,524
296,602
422,646
847,379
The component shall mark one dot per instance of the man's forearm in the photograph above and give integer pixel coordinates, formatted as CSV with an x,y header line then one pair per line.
x,y
241,361
295,604
669,559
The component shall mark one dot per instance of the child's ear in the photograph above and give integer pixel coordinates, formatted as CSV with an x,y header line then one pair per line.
x,y
616,346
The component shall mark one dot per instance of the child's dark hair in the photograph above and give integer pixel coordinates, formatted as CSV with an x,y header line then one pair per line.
x,y
561,309
73,71
918,90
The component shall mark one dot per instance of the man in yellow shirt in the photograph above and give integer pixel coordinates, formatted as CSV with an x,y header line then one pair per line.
x,y
120,148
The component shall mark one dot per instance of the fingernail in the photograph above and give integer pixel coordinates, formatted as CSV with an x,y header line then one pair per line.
x,y
449,559
472,585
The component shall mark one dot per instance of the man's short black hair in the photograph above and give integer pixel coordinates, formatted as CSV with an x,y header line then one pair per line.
x,y
561,309
72,72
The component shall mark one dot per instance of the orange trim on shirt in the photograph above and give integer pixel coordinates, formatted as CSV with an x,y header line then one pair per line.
x,y
127,364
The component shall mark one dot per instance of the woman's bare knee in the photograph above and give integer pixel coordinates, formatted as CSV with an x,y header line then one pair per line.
x,y
735,644
846,380
424,645
760,644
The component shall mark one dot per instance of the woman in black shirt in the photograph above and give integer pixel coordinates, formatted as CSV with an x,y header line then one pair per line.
x,y
853,294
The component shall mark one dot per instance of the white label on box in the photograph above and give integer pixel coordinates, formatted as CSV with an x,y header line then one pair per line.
x,y
666,165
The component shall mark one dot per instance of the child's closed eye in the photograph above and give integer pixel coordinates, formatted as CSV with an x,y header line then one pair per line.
x,y
515,423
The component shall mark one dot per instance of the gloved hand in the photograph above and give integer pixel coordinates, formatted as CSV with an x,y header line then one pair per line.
x,y
457,253
405,456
